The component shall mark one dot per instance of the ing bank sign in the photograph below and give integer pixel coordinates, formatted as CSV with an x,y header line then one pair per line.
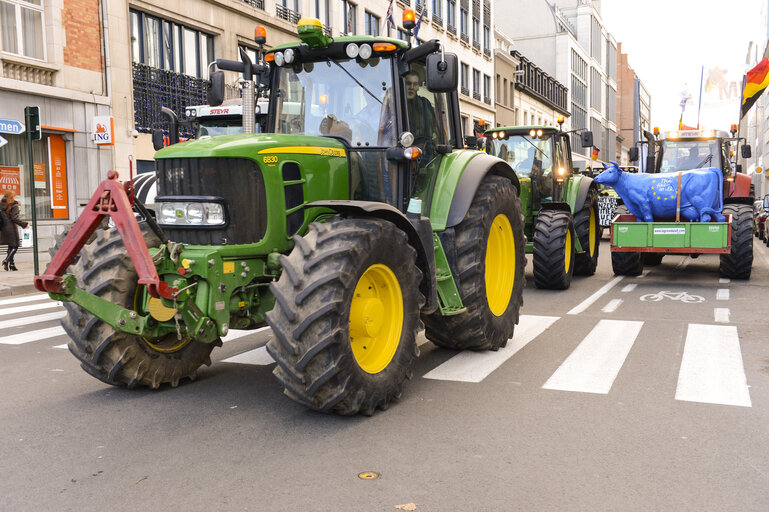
x,y
103,129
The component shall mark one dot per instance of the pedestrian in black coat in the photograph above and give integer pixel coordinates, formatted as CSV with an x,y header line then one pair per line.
x,y
9,235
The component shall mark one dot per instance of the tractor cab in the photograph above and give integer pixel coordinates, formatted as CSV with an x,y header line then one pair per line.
x,y
694,149
373,95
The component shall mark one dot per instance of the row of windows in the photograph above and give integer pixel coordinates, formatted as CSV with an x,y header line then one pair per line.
x,y
464,75
162,44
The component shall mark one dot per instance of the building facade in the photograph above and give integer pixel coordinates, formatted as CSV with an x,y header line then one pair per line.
x,y
53,55
567,39
633,107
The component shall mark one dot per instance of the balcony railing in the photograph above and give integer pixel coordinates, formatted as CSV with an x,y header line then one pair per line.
x,y
259,4
487,100
465,38
438,20
452,29
477,45
477,96
155,88
487,52
327,30
287,14
464,90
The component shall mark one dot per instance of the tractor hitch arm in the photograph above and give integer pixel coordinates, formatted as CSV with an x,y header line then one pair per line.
x,y
110,199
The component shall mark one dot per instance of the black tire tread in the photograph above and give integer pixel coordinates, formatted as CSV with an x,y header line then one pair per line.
x,y
626,263
584,263
549,257
739,262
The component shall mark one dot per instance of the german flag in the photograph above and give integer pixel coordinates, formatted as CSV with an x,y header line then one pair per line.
x,y
756,81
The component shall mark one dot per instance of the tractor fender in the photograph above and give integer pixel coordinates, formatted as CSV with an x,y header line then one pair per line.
x,y
418,231
556,205
576,193
471,178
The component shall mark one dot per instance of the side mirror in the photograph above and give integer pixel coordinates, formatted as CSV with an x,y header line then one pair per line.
x,y
442,73
586,138
766,201
215,93
633,154
157,139
746,153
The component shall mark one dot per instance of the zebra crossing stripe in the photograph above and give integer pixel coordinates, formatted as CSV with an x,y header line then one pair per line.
x,y
26,298
26,320
258,356
711,368
582,306
596,361
475,366
26,337
31,307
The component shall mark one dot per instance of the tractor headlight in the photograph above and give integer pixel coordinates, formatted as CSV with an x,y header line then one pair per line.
x,y
191,211
279,58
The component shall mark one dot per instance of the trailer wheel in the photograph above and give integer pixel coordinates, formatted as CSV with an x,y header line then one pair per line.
x,y
626,263
739,262
553,250
652,259
589,233
346,316
491,261
117,358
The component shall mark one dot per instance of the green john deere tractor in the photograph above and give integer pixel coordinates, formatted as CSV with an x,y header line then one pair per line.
x,y
354,223
560,206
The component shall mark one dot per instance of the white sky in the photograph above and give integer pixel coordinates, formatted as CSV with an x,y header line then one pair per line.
x,y
668,42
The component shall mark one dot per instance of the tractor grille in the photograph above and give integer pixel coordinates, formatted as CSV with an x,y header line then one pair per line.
x,y
237,180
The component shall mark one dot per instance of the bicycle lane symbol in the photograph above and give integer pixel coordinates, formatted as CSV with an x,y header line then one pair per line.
x,y
679,296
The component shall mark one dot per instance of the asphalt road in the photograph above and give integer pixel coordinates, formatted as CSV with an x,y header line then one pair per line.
x,y
604,400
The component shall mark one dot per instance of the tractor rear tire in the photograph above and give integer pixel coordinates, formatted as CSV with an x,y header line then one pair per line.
x,y
346,316
491,260
553,250
589,234
739,262
626,263
117,358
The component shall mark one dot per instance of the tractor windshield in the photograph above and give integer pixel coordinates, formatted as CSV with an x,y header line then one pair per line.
x,y
682,155
351,99
525,154
212,127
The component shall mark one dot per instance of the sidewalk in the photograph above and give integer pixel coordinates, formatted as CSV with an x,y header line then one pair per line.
x,y
21,282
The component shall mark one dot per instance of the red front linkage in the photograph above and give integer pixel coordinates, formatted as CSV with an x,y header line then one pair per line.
x,y
110,199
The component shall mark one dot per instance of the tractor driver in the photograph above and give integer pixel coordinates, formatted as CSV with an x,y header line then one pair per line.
x,y
421,115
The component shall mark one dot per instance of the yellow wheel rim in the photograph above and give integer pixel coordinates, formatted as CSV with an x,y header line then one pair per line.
x,y
165,344
567,249
500,265
376,318
593,233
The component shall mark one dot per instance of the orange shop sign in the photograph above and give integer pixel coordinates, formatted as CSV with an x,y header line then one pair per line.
x,y
57,167
10,179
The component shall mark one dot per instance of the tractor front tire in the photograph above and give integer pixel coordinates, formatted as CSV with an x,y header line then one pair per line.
x,y
491,260
346,316
554,252
739,262
104,269
626,263
589,235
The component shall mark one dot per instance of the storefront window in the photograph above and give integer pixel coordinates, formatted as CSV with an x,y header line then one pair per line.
x,y
21,25
50,181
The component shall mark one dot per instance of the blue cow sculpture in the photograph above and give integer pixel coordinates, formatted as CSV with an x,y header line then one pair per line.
x,y
650,196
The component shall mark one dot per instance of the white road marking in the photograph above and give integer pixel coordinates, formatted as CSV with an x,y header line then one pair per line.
x,y
475,366
711,367
630,287
642,274
722,294
26,298
235,334
31,320
596,361
64,346
612,306
721,315
26,337
724,280
31,307
258,356
582,306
